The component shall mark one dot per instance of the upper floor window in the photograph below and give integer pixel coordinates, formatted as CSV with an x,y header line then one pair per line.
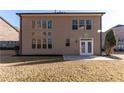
x,y
88,24
38,43
33,24
49,24
33,43
67,42
81,24
39,23
74,24
49,43
44,24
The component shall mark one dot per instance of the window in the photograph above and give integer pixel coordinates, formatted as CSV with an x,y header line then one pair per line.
x,y
39,24
74,24
81,24
44,25
67,42
33,24
33,43
49,43
88,25
49,24
38,43
44,44
49,34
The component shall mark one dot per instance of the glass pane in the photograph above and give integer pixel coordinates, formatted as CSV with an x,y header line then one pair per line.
x,y
81,23
49,34
83,47
74,22
89,47
88,22
74,27
44,24
88,27
50,24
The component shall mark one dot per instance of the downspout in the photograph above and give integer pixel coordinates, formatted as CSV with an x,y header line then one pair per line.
x,y
20,44
101,35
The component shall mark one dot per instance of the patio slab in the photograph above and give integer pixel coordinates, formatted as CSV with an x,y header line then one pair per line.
x,y
80,58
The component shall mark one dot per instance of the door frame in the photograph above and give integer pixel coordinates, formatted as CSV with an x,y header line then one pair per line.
x,y
86,40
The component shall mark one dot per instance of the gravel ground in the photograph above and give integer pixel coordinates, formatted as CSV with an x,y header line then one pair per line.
x,y
63,71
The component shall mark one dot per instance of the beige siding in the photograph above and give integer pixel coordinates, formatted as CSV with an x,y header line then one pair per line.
x,y
62,29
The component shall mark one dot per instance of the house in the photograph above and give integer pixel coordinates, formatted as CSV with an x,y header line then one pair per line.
x,y
60,33
8,35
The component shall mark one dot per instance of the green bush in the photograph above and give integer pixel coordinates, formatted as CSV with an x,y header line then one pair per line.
x,y
110,42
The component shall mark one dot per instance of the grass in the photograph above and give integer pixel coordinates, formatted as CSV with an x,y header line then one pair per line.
x,y
68,71
15,59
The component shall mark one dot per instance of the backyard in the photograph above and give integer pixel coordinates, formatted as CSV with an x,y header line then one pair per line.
x,y
54,69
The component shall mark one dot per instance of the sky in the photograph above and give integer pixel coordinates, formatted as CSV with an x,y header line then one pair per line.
x,y
113,8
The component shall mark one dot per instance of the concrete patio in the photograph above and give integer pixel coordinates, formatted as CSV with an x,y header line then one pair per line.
x,y
80,58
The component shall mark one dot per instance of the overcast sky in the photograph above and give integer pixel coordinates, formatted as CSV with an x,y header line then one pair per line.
x,y
113,8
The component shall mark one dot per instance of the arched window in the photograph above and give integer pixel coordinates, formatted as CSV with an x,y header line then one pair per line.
x,y
44,43
49,43
33,43
38,43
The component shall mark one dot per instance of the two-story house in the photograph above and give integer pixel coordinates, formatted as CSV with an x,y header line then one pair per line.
x,y
9,35
68,33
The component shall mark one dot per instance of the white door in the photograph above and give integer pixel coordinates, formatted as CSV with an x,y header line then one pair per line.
x,y
86,47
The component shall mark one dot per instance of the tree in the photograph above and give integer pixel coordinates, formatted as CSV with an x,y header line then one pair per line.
x,y
110,42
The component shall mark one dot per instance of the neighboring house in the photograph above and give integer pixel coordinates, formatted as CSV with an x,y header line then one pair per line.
x,y
60,33
119,35
8,35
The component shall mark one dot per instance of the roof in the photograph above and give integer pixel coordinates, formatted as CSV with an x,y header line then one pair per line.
x,y
8,23
62,13
119,25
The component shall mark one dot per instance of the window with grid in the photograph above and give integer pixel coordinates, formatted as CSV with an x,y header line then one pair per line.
x,y
39,24
88,24
49,24
44,43
33,43
44,24
38,43
74,24
81,24
49,43
67,42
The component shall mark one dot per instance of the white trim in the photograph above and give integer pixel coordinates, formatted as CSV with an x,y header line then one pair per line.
x,y
92,41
